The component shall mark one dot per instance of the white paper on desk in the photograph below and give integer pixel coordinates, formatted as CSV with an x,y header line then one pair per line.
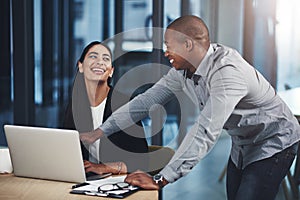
x,y
93,185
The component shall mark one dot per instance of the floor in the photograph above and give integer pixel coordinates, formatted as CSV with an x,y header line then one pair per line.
x,y
202,182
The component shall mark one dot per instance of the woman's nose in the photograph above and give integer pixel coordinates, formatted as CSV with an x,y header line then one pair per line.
x,y
100,62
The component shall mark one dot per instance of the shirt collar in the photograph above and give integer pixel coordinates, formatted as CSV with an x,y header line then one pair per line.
x,y
203,67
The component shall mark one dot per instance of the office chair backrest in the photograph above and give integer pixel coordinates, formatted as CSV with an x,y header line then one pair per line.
x,y
159,156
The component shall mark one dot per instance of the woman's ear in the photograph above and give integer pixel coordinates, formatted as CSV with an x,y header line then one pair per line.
x,y
80,68
111,72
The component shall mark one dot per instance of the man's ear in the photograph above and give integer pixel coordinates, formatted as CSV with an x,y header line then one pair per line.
x,y
189,44
80,68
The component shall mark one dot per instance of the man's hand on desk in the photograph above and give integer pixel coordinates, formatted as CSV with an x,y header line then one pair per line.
x,y
143,180
91,137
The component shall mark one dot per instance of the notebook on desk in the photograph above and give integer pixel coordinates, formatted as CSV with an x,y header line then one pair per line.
x,y
45,153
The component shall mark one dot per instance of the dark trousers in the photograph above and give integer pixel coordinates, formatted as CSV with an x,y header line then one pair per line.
x,y
261,179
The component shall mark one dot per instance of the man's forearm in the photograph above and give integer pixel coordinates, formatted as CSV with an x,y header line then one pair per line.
x,y
135,110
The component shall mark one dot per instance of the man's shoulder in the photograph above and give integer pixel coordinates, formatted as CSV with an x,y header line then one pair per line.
x,y
222,51
225,56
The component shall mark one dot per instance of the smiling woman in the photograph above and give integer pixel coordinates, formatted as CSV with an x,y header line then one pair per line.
x,y
92,102
97,68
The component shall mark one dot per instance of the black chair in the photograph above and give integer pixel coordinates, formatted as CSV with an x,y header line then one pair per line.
x,y
158,158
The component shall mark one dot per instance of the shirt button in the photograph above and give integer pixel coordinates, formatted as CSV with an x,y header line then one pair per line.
x,y
201,104
205,131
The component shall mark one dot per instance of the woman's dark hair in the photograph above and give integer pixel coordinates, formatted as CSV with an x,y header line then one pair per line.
x,y
90,45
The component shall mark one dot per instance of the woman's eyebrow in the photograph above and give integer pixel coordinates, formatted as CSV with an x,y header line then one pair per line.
x,y
93,53
106,55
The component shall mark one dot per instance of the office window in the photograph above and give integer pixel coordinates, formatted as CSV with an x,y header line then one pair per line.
x,y
137,20
172,11
37,52
6,106
88,22
62,29
52,53
288,44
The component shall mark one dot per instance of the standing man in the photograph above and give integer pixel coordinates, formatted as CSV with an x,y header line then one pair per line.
x,y
230,94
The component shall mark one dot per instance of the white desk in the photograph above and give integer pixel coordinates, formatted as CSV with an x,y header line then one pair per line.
x,y
16,188
292,99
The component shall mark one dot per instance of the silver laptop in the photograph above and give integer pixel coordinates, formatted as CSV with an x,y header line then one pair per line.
x,y
45,153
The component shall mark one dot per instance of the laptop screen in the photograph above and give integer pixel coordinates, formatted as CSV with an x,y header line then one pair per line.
x,y
45,153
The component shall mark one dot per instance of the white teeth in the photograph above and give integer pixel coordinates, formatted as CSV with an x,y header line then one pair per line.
x,y
98,70
171,61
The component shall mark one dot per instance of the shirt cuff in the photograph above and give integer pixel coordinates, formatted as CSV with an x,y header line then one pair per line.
x,y
169,174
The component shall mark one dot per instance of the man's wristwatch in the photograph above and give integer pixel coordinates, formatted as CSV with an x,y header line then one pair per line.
x,y
158,179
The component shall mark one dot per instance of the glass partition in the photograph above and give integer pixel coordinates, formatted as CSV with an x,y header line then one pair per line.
x,y
288,44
